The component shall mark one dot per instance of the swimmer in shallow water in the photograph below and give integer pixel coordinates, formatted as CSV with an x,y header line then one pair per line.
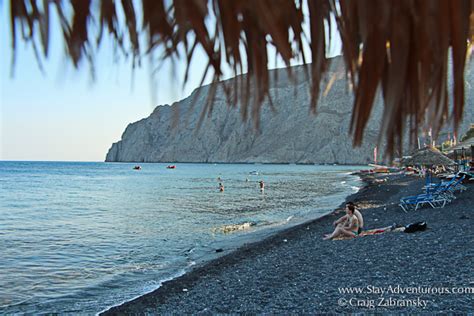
x,y
221,187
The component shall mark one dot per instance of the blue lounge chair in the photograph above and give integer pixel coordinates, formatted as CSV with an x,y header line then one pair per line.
x,y
437,195
448,189
414,202
433,187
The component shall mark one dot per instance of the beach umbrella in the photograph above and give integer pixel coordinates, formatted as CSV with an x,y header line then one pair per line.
x,y
428,156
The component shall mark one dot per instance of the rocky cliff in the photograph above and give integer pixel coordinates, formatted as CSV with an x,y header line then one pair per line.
x,y
287,134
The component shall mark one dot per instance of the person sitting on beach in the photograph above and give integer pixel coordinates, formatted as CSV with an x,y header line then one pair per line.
x,y
343,219
350,227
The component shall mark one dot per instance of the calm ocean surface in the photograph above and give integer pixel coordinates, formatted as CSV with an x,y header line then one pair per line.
x,y
81,237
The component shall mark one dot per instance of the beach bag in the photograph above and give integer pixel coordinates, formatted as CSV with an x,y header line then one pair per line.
x,y
415,227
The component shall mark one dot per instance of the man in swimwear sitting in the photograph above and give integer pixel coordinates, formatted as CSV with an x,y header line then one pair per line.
x,y
350,228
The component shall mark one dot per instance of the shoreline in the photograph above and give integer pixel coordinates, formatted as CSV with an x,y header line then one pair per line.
x,y
252,241
229,163
220,277
203,265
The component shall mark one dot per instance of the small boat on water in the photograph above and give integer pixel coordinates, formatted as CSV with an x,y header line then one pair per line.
x,y
137,168
171,167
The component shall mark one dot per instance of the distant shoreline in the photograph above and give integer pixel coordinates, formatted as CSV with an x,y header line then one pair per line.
x,y
177,162
190,162
241,163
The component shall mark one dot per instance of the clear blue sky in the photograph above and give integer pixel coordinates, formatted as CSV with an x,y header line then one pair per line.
x,y
62,114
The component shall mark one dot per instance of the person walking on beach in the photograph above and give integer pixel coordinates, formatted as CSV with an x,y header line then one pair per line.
x,y
350,227
262,186
341,221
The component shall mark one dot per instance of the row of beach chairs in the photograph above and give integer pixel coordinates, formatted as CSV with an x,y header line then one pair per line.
x,y
435,195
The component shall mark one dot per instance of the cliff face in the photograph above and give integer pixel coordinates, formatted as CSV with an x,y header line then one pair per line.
x,y
290,134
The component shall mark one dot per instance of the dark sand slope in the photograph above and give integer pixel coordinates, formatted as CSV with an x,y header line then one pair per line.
x,y
296,272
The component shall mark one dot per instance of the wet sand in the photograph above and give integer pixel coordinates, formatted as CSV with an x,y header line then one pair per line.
x,y
296,271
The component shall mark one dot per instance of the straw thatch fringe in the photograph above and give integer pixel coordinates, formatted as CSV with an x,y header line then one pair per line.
x,y
401,46
428,156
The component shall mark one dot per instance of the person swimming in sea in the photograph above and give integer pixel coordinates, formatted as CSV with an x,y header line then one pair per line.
x,y
221,187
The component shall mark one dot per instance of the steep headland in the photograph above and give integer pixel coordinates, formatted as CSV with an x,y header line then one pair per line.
x,y
287,134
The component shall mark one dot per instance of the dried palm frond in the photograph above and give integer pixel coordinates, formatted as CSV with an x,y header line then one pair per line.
x,y
402,47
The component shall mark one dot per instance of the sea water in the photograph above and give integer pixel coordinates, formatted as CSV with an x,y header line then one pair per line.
x,y
80,237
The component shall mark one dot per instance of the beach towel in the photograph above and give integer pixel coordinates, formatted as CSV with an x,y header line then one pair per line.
x,y
371,232
410,228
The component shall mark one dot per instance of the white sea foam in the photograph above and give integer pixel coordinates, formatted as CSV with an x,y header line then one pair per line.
x,y
146,290
355,189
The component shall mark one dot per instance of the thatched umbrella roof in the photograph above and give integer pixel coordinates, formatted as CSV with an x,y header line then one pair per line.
x,y
401,46
428,156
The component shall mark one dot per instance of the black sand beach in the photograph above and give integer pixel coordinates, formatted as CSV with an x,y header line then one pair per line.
x,y
296,271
